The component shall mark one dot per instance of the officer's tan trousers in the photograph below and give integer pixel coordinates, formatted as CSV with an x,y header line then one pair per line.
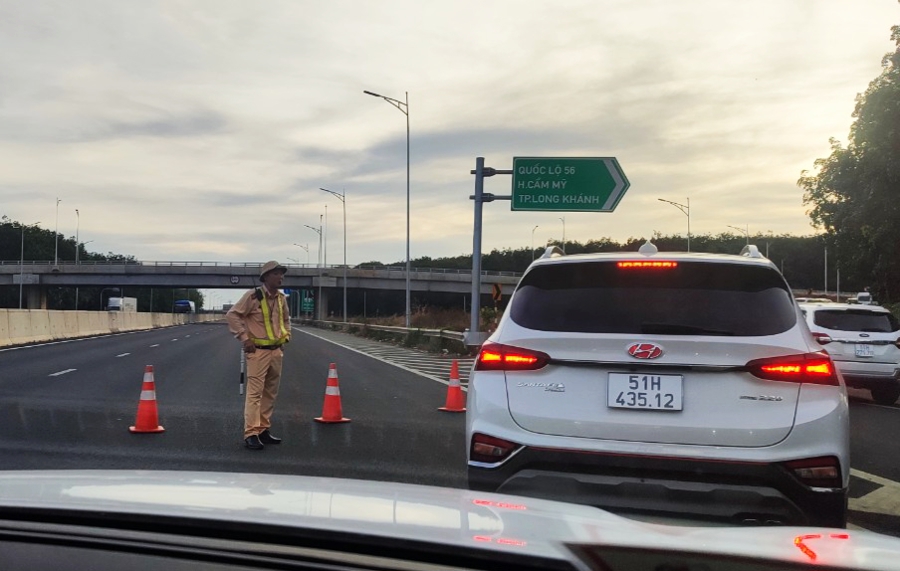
x,y
263,378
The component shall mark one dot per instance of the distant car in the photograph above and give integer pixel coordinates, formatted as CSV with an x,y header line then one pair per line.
x,y
864,298
185,306
864,342
661,382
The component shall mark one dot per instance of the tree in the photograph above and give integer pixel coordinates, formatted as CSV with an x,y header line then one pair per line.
x,y
855,192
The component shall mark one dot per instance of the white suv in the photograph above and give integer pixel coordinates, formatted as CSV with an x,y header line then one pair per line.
x,y
864,341
661,382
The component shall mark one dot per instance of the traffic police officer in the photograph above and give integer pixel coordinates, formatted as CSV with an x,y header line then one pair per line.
x,y
261,322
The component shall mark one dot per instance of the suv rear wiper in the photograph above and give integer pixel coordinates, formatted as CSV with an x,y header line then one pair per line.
x,y
676,329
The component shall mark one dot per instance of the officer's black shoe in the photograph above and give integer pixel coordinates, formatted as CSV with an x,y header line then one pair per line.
x,y
267,438
253,443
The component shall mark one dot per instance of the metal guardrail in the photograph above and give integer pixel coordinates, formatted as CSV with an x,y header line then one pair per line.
x,y
437,333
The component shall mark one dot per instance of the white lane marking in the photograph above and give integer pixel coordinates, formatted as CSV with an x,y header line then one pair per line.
x,y
58,373
421,374
123,355
157,345
186,336
175,339
885,500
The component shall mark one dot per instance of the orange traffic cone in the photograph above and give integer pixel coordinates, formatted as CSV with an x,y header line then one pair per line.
x,y
147,419
456,402
331,410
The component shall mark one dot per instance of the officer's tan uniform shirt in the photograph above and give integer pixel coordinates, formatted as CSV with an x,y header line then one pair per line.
x,y
245,318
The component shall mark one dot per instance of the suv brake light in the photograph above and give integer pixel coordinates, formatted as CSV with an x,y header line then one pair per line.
x,y
642,264
499,357
812,368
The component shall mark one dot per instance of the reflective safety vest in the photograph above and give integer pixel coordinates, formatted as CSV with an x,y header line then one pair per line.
x,y
271,339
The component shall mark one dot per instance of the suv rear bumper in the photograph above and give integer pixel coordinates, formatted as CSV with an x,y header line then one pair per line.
x,y
724,491
868,375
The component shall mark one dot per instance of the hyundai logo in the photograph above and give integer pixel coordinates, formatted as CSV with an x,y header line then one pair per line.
x,y
645,350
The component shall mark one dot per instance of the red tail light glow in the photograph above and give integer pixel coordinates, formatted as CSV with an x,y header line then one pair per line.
x,y
813,368
644,264
800,539
498,357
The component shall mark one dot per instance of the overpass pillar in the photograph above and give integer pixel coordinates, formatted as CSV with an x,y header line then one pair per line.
x,y
34,297
324,307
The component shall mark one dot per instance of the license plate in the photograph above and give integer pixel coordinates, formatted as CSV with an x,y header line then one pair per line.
x,y
864,350
648,392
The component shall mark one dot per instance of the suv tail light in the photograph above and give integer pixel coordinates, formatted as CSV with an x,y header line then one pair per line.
x,y
823,472
498,357
823,338
813,368
490,450
897,343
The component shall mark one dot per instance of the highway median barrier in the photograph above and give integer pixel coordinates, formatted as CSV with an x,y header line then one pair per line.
x,y
25,326
57,321
4,328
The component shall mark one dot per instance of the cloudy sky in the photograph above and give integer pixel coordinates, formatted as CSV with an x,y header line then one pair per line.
x,y
202,130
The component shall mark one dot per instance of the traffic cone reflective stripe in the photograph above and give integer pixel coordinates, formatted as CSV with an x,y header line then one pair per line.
x,y
456,401
147,415
331,409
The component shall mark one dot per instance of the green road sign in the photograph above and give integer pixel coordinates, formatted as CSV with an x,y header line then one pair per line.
x,y
578,184
307,302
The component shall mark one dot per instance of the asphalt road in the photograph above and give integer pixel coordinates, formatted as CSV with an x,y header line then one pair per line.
x,y
69,405
80,418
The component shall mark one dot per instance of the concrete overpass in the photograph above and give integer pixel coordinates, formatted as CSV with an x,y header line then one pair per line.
x,y
39,275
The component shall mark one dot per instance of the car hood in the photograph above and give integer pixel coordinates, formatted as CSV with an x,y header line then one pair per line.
x,y
452,519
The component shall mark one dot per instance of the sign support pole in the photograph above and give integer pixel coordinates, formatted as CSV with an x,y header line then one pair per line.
x,y
474,337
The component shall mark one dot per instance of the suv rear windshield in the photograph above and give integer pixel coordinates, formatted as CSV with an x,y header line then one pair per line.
x,y
693,298
856,320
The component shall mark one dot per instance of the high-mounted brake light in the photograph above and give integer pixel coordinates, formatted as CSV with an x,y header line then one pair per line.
x,y
638,264
498,357
813,368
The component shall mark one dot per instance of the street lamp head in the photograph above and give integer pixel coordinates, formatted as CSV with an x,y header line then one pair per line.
x,y
372,94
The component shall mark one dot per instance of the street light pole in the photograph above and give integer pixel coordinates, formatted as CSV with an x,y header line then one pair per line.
x,y
686,209
319,231
22,260
305,248
343,198
745,232
56,235
403,107
532,242
564,234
